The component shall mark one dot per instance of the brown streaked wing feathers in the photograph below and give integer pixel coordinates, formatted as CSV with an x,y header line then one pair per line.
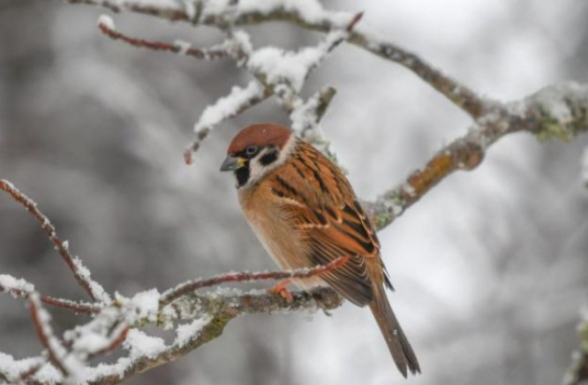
x,y
331,219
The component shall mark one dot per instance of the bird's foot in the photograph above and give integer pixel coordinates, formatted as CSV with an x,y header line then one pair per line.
x,y
281,288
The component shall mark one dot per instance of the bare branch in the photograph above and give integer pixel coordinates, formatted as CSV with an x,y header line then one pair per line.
x,y
191,286
21,288
80,272
178,47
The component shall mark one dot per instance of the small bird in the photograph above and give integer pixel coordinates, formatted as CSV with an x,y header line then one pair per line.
x,y
305,213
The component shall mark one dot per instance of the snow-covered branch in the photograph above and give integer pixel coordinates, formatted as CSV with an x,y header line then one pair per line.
x,y
557,111
195,318
308,14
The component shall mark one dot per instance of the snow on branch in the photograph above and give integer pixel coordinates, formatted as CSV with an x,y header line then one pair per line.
x,y
278,72
191,286
18,287
106,26
307,14
559,111
115,324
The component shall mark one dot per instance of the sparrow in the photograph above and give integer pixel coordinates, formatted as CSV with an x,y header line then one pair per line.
x,y
305,213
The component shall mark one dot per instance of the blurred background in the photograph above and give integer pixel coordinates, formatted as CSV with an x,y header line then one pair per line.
x,y
490,268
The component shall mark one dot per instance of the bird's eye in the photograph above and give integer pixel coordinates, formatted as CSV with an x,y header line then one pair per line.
x,y
251,150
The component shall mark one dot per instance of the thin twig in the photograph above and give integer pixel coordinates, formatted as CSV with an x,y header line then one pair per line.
x,y
45,334
94,290
176,47
76,307
191,286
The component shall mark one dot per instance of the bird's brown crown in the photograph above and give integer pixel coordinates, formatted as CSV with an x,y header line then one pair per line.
x,y
260,135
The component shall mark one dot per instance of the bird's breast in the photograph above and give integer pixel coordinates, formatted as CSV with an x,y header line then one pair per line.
x,y
281,239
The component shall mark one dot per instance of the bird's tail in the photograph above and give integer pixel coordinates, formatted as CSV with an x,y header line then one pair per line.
x,y
398,344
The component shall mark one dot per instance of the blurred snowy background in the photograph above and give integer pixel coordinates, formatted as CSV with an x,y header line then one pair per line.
x,y
490,268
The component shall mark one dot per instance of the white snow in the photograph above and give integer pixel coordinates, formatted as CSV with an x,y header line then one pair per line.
x,y
292,68
9,283
284,66
304,115
183,46
229,105
12,368
143,306
141,345
138,344
188,332
310,11
97,290
70,362
106,21
239,41
90,342
551,100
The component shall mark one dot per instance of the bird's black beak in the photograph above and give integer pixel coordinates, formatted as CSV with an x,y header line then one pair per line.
x,y
232,163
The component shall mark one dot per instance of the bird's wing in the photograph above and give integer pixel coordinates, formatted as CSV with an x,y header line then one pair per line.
x,y
319,201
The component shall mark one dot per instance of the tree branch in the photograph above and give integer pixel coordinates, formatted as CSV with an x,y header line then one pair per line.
x,y
558,111
326,21
80,272
191,286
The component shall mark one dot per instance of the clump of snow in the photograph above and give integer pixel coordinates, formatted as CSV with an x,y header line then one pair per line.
x,y
238,46
310,11
280,66
188,332
304,115
9,283
91,342
551,100
140,344
229,105
13,369
107,22
48,374
143,306
292,68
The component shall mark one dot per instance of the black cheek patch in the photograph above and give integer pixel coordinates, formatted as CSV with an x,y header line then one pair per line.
x,y
268,158
242,175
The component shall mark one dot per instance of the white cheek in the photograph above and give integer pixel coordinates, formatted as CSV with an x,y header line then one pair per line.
x,y
256,170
